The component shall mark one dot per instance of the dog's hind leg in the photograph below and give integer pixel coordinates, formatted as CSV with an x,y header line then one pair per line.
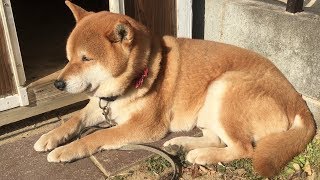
x,y
88,116
209,139
211,155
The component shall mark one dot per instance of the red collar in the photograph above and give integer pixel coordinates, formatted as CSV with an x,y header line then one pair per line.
x,y
140,80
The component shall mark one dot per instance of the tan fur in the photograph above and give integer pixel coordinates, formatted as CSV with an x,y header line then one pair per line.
x,y
242,102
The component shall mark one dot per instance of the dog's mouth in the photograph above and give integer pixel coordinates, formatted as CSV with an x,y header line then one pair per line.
x,y
89,88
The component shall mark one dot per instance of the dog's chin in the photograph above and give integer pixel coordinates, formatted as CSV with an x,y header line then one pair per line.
x,y
95,93
98,92
79,89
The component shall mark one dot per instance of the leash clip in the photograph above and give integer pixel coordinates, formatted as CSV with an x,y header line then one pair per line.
x,y
107,113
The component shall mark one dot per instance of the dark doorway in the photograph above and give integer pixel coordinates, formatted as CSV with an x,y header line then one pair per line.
x,y
43,28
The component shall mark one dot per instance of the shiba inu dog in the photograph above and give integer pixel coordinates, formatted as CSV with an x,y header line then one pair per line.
x,y
243,104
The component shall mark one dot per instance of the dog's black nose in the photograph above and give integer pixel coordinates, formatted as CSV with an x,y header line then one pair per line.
x,y
60,84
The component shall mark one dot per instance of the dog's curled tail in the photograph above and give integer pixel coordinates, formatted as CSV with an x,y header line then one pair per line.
x,y
274,151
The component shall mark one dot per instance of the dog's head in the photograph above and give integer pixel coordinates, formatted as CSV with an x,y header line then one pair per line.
x,y
106,52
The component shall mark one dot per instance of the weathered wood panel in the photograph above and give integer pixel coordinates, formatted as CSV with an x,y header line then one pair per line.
x,y
7,86
43,97
158,15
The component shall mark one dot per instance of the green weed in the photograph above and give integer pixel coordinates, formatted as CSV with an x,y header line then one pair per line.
x,y
157,164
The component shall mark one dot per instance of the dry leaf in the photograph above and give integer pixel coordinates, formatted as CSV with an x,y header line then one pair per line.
x,y
307,168
240,172
203,169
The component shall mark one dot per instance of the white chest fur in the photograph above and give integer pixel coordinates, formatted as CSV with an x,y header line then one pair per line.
x,y
122,110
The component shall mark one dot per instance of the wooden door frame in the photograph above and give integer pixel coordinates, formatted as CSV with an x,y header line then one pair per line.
x,y
13,49
184,18
117,6
184,15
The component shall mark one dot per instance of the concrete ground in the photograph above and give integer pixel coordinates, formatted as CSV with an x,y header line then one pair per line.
x,y
20,161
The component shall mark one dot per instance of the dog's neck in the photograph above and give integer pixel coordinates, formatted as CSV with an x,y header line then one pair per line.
x,y
138,83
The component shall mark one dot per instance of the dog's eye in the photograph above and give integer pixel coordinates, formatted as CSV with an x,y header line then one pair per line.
x,y
85,58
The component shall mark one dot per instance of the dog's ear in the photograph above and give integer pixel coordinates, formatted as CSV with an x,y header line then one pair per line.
x,y
123,32
77,11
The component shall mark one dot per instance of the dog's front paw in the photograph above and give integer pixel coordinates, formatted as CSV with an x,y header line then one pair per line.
x,y
60,155
65,153
69,152
47,142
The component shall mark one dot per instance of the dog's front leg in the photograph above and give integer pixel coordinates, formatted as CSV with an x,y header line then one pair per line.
x,y
112,138
88,116
59,135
